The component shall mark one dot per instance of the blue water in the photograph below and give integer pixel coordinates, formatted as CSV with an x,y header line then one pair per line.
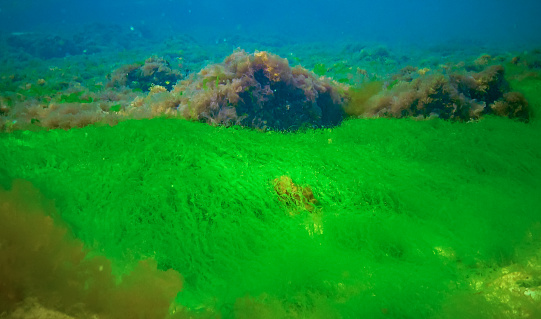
x,y
494,21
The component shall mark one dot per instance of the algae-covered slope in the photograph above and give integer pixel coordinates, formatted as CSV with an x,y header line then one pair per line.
x,y
404,218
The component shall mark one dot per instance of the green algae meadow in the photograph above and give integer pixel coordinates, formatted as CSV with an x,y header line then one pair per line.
x,y
145,189
408,215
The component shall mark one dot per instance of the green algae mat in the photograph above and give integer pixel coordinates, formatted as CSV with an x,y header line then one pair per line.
x,y
377,218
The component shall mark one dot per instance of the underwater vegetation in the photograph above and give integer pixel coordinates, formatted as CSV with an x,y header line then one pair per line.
x,y
293,195
44,267
454,96
261,90
154,71
345,222
352,182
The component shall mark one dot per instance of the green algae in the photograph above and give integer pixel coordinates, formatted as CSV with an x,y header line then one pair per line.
x,y
405,208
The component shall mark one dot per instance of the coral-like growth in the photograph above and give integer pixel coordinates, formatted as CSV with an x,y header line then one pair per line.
x,y
261,90
293,195
40,261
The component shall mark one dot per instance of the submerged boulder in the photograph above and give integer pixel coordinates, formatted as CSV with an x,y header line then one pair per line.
x,y
261,90
44,46
456,96
143,76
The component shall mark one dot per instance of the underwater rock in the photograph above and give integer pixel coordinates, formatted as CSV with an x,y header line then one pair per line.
x,y
406,74
513,105
105,37
87,39
530,60
457,96
488,85
43,45
155,71
261,90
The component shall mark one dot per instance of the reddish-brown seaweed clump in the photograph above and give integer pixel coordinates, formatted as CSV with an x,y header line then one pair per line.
x,y
456,96
49,271
261,90
293,195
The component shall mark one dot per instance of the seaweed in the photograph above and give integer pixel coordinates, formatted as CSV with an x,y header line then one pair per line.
x,y
75,97
261,90
42,261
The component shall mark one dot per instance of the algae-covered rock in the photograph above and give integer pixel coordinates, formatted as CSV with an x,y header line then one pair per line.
x,y
261,90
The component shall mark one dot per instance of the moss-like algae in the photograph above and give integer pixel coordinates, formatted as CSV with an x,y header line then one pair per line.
x,y
407,210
